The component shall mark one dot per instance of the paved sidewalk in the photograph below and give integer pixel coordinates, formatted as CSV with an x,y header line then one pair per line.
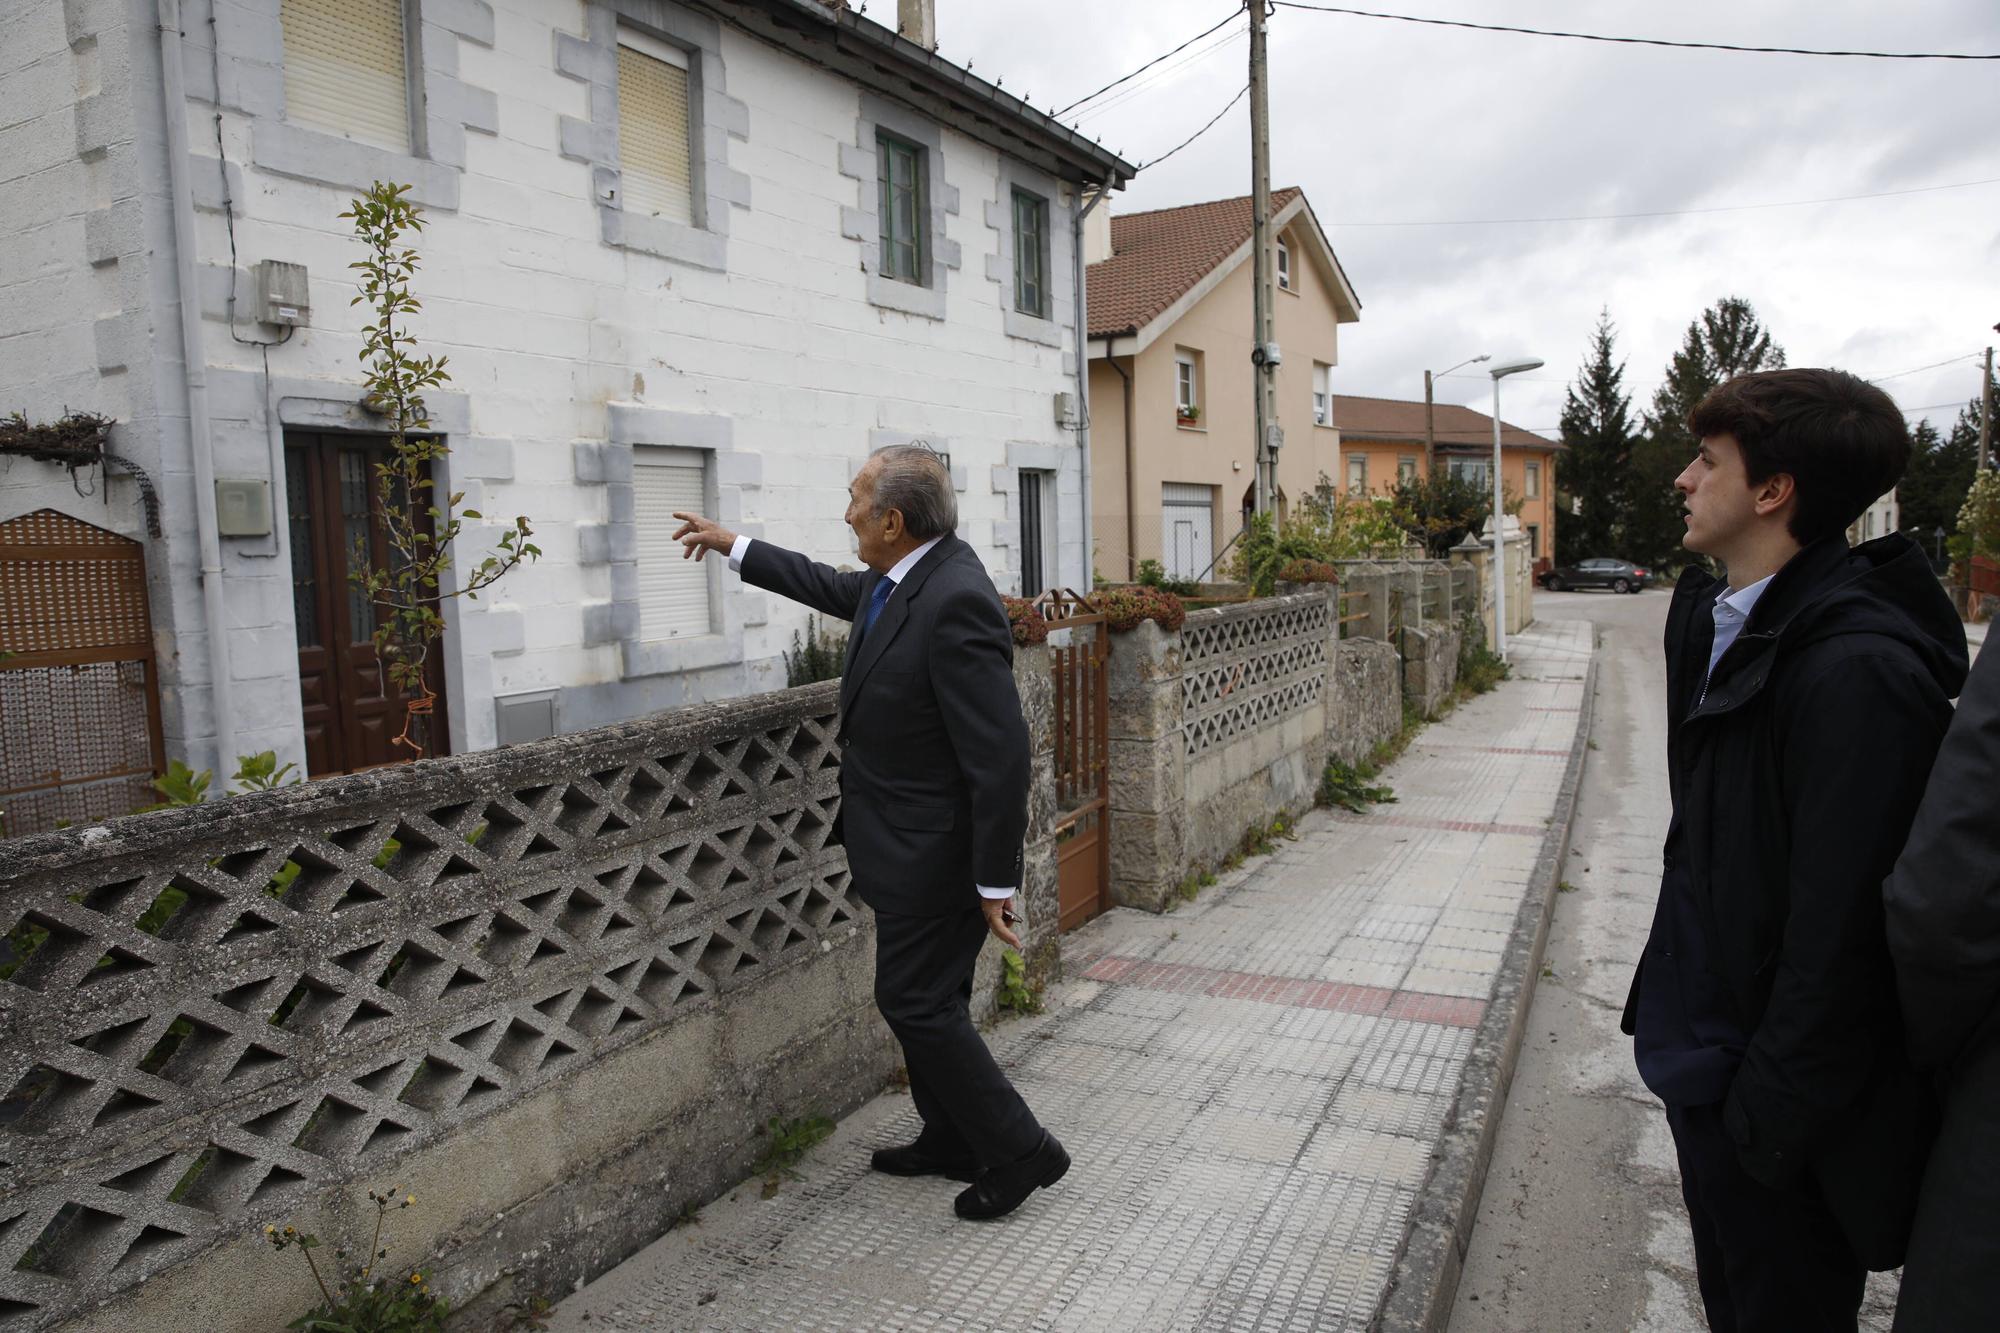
x,y
1253,1088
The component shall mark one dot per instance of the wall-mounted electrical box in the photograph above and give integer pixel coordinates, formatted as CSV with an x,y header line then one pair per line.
x,y
242,508
282,297
1066,414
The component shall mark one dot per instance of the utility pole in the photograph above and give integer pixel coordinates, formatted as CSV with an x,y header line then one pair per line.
x,y
1986,411
1264,339
1430,435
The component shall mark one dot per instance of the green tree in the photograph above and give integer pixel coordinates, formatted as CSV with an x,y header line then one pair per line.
x,y
1728,340
419,524
1940,473
1595,481
1441,510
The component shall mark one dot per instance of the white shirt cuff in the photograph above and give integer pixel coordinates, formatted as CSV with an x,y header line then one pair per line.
x,y
736,554
986,892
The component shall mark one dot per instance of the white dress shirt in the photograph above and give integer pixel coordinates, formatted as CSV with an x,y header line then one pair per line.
x,y
896,575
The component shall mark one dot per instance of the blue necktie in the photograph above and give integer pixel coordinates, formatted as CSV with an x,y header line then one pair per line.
x,y
883,587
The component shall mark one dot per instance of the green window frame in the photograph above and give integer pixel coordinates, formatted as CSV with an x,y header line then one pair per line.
x,y
904,209
1031,262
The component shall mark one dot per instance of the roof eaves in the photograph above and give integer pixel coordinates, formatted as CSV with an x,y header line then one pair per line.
x,y
894,66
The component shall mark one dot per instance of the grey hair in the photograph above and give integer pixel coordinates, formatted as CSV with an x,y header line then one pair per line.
x,y
913,479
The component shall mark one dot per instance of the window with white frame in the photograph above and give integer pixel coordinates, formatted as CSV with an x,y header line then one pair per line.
x,y
1475,470
655,128
1357,474
1532,488
1031,254
1406,468
905,208
1187,385
1038,532
1322,395
347,69
674,593
1284,265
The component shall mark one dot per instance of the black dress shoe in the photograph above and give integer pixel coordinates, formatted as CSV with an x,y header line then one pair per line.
x,y
1000,1190
916,1159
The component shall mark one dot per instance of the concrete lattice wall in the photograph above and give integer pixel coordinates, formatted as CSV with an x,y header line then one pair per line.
x,y
1228,723
552,990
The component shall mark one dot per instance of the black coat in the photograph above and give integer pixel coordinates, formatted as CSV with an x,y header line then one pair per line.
x,y
1943,904
1794,781
934,759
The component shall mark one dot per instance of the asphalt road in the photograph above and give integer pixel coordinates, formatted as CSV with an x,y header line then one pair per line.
x,y
1581,1225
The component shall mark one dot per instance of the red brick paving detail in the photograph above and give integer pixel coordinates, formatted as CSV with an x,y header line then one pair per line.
x,y
1292,992
1497,749
1535,709
1448,825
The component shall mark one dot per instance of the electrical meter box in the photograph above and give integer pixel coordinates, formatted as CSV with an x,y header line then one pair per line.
x,y
282,297
242,508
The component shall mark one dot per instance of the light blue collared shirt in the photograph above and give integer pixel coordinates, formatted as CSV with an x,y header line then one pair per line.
x,y
1732,613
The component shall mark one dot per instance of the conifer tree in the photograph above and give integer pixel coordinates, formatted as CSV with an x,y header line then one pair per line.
x,y
1728,340
1593,485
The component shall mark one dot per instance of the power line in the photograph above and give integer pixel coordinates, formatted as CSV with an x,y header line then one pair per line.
x,y
1159,75
1148,65
1198,133
1636,41
1670,212
1950,361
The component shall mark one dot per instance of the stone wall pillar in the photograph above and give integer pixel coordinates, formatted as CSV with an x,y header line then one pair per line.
x,y
1372,579
1479,555
1039,908
1148,767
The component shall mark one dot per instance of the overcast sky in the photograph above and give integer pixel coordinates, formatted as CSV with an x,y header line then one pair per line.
x,y
1385,122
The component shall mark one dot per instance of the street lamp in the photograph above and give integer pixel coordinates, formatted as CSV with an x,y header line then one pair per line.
x,y
1430,437
1500,372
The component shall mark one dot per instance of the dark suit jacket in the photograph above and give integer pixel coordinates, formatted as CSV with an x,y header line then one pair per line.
x,y
934,750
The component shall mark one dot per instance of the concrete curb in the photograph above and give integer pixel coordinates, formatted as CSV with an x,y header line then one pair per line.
x,y
1423,1284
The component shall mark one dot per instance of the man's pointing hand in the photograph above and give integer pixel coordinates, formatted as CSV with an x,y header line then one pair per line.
x,y
698,536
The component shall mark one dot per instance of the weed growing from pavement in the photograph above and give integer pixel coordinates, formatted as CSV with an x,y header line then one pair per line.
x,y
790,1141
1350,788
359,1298
1015,992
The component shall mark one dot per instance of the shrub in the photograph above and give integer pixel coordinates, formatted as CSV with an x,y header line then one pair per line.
x,y
816,656
1152,574
1979,518
1307,571
1026,622
1124,608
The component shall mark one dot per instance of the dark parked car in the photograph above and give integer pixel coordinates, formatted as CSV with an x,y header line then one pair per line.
x,y
1617,575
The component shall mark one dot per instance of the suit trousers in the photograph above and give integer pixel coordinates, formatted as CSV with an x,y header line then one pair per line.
x,y
1768,1260
923,986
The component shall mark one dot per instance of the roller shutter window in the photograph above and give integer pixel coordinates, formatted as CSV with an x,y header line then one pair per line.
x,y
654,129
346,69
673,592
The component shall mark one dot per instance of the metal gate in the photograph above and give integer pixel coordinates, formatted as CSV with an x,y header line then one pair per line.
x,y
1079,642
79,694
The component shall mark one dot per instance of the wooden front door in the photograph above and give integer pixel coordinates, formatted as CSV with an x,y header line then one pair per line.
x,y
334,505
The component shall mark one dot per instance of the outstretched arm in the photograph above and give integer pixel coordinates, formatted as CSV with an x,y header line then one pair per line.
x,y
821,587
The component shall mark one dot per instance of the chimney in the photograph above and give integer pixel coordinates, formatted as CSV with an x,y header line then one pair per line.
x,y
1097,233
916,21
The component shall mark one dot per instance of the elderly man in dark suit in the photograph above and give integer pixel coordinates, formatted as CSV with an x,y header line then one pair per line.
x,y
934,803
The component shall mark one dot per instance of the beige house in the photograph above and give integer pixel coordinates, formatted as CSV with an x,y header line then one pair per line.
x,y
1171,408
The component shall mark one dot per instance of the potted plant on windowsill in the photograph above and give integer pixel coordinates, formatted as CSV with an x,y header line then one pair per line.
x,y
1188,416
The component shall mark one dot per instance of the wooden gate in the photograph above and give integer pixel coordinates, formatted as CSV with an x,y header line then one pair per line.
x,y
1079,642
79,696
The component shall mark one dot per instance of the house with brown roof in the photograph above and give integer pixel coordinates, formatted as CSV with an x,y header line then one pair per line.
x,y
1382,442
1172,416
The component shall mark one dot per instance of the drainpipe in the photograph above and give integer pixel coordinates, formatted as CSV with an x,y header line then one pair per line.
x,y
200,441
1079,211
1131,481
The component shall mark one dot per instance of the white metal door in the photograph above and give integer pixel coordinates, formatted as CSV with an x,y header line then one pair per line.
x,y
1187,529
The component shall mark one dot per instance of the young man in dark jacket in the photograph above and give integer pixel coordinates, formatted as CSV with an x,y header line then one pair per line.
x,y
1806,697
1943,903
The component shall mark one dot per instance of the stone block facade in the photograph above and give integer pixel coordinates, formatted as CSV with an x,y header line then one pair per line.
x,y
757,339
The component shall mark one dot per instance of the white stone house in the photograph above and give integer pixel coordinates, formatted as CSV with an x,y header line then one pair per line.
x,y
658,260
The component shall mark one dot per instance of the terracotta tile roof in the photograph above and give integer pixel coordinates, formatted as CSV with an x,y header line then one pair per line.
x,y
1400,419
1157,257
